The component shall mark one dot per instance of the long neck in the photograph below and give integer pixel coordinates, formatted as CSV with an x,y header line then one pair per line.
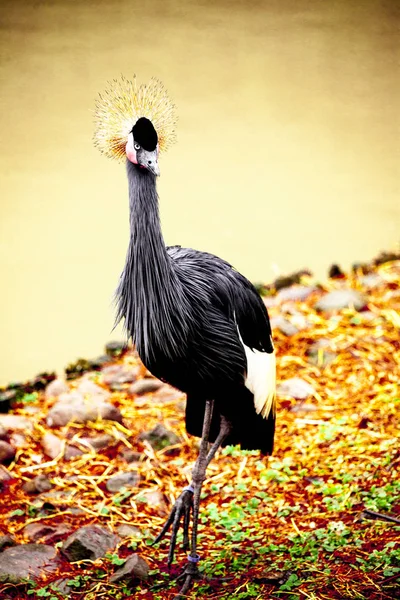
x,y
148,287
151,261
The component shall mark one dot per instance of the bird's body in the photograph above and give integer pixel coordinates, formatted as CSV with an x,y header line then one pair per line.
x,y
191,317
196,322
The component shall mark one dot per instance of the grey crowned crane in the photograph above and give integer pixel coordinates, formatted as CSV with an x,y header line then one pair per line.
x,y
195,321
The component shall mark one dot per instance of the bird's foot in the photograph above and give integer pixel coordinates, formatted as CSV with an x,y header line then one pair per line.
x,y
189,574
182,506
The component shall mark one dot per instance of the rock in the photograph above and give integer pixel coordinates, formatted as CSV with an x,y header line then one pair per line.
x,y
6,399
144,386
72,451
7,452
296,292
3,432
126,531
284,326
160,437
120,480
16,423
6,541
119,374
5,475
52,445
89,543
79,410
89,388
371,281
135,567
49,534
76,369
56,388
98,442
339,299
27,561
18,440
335,272
61,586
296,388
288,280
116,348
99,362
130,455
37,485
153,498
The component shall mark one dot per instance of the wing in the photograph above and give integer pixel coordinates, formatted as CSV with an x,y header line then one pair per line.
x,y
238,300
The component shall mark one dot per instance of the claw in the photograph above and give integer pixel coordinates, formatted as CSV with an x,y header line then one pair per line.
x,y
181,507
189,574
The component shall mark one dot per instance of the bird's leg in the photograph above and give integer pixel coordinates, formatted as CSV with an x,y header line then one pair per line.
x,y
184,502
191,571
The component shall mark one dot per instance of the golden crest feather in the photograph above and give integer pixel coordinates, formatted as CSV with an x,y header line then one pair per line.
x,y
122,104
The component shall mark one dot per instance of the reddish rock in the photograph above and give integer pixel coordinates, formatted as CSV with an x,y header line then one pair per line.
x,y
37,485
135,567
27,561
89,543
144,386
52,445
7,452
15,423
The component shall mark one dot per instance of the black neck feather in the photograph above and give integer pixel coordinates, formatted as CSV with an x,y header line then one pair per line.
x,y
149,289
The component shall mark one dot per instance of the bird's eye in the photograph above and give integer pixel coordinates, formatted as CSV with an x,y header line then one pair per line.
x,y
137,146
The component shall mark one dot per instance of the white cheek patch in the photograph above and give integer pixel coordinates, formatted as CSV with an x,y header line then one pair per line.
x,y
130,150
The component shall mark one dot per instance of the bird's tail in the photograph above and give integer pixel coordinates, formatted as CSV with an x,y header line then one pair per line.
x,y
249,429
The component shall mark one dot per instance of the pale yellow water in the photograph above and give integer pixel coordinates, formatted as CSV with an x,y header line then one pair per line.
x,y
288,149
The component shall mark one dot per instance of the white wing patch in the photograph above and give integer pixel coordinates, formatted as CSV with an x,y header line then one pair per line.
x,y
261,379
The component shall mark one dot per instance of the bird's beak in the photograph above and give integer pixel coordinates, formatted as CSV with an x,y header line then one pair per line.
x,y
149,160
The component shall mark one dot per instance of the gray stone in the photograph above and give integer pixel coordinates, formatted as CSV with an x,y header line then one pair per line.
x,y
7,452
144,386
120,480
119,374
98,442
52,445
81,411
5,475
116,348
295,293
37,485
160,437
126,531
27,561
72,451
6,541
284,326
371,281
130,455
89,543
45,532
55,388
153,498
87,387
339,299
15,423
135,567
296,388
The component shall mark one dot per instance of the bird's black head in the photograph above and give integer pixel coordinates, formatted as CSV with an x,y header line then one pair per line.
x,y
142,145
